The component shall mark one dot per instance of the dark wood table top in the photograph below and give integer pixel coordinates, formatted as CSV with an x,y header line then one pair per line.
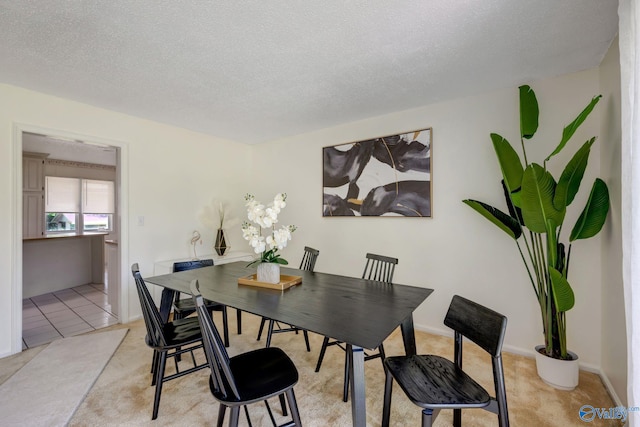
x,y
353,310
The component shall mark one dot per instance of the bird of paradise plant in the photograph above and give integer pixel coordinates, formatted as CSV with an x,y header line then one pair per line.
x,y
537,205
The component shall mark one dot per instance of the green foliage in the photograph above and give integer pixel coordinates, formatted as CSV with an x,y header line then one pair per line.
x,y
594,214
272,256
537,208
538,189
502,220
571,128
528,112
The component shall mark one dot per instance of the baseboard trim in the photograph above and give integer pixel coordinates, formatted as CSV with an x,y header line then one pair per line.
x,y
609,387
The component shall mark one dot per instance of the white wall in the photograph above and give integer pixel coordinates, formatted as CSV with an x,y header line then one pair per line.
x,y
456,251
614,344
173,174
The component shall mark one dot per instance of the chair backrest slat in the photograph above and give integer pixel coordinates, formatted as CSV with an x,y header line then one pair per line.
x,y
215,352
152,318
189,265
479,324
309,259
379,268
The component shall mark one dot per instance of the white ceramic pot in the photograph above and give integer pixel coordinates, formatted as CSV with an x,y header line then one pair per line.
x,y
558,373
268,272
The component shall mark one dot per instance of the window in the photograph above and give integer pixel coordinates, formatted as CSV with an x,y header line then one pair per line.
x,y
74,204
61,221
62,204
96,222
97,204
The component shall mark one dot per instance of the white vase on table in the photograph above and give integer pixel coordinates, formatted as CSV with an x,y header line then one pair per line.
x,y
268,272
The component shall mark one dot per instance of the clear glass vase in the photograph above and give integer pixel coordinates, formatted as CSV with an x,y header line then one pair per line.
x,y
268,272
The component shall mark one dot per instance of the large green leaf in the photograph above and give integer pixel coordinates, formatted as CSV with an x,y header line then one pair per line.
x,y
513,203
569,182
515,198
594,214
570,129
503,221
538,189
509,161
562,293
528,112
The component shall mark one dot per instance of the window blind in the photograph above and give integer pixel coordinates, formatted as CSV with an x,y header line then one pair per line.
x,y
98,197
62,194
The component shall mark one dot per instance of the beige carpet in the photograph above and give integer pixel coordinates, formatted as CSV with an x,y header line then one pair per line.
x,y
122,395
48,389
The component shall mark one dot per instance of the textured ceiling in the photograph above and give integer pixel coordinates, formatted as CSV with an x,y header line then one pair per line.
x,y
253,71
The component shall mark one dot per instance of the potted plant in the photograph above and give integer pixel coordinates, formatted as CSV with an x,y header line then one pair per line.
x,y
537,204
266,217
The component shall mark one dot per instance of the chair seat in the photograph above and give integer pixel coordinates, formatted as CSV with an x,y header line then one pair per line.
x,y
181,332
433,382
260,374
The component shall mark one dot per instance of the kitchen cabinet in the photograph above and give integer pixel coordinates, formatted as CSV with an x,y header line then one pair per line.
x,y
53,263
33,195
32,214
33,172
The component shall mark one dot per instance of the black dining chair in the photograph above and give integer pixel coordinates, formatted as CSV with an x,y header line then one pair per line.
x,y
434,383
183,307
245,378
379,268
307,263
309,258
168,340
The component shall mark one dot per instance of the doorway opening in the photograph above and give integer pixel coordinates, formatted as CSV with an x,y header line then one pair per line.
x,y
68,271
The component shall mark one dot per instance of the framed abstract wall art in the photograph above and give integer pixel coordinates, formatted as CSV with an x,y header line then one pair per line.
x,y
385,176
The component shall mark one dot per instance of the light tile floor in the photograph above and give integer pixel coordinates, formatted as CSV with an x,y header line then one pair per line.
x,y
65,313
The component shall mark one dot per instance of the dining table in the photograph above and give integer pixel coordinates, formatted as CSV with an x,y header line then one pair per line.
x,y
361,313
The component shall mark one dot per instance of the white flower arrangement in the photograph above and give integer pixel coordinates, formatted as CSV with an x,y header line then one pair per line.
x,y
266,217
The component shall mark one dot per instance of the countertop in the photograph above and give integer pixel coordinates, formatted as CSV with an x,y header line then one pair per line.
x,y
68,235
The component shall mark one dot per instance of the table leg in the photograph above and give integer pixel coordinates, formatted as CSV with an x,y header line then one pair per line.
x,y
408,336
358,403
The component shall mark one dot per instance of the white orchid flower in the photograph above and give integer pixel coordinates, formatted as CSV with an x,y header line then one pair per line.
x,y
266,218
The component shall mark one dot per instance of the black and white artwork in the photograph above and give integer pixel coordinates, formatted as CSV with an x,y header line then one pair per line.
x,y
386,176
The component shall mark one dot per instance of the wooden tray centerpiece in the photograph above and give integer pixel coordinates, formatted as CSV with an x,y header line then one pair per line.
x,y
285,282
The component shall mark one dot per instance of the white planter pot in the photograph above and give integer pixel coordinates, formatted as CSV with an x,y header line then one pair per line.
x,y
268,272
560,374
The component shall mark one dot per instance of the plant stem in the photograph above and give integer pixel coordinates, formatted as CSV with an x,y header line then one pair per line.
x,y
524,152
544,297
562,335
526,265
